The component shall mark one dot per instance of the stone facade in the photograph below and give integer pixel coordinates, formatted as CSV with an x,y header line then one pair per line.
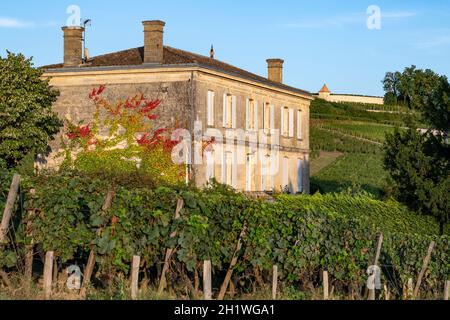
x,y
204,96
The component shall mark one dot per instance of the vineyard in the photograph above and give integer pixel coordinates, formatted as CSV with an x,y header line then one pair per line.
x,y
243,238
358,132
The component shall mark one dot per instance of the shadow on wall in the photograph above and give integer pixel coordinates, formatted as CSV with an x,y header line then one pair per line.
x,y
330,186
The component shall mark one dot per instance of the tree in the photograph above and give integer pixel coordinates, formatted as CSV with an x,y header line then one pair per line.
x,y
390,85
27,122
419,162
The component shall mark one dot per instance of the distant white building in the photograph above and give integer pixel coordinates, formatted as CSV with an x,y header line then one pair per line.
x,y
326,94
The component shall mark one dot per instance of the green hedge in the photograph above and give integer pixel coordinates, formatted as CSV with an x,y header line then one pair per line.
x,y
302,234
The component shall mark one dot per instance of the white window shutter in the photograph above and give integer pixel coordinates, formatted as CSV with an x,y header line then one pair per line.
x,y
233,99
263,173
256,125
272,118
247,115
282,122
291,123
210,116
224,110
234,177
209,165
299,175
285,172
299,124
271,177
224,167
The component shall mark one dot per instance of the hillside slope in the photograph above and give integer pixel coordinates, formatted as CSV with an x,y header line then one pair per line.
x,y
355,134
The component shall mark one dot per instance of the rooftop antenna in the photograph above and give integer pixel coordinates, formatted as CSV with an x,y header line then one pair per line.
x,y
86,58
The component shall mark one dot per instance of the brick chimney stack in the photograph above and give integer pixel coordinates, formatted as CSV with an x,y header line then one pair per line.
x,y
73,46
275,70
153,41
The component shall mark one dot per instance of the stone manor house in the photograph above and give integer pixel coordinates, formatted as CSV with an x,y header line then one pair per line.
x,y
196,88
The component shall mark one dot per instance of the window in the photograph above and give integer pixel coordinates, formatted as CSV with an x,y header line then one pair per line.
x,y
299,175
299,125
251,123
210,108
229,111
285,121
291,123
269,179
210,165
285,174
227,173
250,173
263,173
266,174
266,118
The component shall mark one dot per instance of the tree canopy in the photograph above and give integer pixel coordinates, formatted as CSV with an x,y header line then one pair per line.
x,y
27,122
419,162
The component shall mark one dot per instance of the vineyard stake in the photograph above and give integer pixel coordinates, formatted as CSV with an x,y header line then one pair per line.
x,y
426,261
9,206
91,260
207,287
409,288
387,294
325,286
169,252
274,282
29,248
48,274
234,260
446,290
135,277
4,277
372,292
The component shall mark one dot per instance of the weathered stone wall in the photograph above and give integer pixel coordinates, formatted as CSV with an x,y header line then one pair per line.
x,y
293,148
74,104
184,99
351,98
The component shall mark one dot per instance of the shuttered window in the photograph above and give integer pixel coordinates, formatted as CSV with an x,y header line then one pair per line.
x,y
267,118
210,108
250,114
291,123
299,125
299,175
229,111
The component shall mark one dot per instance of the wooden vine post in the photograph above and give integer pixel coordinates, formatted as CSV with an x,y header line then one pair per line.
x,y
234,260
426,261
372,292
29,248
446,290
48,274
207,280
409,289
7,213
9,206
169,252
135,277
274,282
326,295
91,260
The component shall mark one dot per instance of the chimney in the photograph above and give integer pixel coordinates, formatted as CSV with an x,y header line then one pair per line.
x,y
153,41
73,46
211,52
275,70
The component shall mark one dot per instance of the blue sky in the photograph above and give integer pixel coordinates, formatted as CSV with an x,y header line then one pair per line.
x,y
321,41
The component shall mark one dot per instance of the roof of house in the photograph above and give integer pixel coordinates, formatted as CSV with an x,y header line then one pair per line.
x,y
172,56
325,89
